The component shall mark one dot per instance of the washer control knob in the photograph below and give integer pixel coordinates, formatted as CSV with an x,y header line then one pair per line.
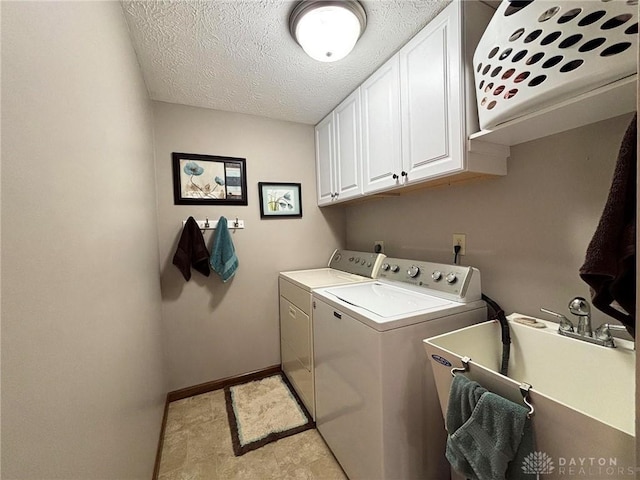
x,y
395,268
385,267
451,278
437,275
357,259
351,259
413,271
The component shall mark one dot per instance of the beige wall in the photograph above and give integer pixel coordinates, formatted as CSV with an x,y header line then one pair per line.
x,y
526,232
212,329
82,376
83,379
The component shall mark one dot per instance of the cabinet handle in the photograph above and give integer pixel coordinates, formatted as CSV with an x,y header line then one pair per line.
x,y
395,176
404,174
337,315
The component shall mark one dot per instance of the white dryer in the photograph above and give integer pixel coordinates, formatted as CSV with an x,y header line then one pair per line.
x,y
296,314
376,401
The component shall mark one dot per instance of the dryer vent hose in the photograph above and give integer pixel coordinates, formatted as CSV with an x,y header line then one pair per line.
x,y
498,313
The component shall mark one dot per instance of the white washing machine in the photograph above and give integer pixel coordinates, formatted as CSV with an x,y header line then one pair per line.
x,y
376,401
296,314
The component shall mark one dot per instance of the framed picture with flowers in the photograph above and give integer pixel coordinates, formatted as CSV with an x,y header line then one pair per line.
x,y
209,180
280,200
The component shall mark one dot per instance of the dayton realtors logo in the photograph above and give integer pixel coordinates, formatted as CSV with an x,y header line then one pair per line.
x,y
539,463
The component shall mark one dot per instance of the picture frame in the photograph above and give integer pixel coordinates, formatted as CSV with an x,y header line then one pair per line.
x,y
280,200
209,180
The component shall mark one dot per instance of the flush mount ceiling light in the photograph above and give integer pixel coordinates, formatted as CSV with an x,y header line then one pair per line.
x,y
327,30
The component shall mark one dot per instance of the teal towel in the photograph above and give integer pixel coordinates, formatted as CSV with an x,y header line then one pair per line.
x,y
463,397
486,433
223,259
517,470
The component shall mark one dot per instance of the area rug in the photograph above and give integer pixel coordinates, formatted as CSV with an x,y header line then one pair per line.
x,y
263,411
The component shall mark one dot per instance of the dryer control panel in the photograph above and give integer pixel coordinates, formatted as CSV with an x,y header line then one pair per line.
x,y
454,282
366,264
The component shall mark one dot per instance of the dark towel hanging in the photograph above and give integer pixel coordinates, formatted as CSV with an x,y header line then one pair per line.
x,y
609,266
191,251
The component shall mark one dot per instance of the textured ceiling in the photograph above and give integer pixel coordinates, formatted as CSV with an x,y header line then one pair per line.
x,y
238,56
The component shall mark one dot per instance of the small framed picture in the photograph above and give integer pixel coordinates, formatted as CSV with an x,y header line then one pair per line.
x,y
279,200
209,180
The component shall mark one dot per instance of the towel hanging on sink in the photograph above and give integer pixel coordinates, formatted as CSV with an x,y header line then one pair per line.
x,y
609,266
489,436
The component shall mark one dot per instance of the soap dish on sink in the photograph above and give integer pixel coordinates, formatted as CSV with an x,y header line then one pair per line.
x,y
530,322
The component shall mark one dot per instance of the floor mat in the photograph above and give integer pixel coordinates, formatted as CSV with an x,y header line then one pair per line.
x,y
263,411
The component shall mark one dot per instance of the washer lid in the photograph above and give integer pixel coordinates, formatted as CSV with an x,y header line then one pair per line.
x,y
386,300
321,277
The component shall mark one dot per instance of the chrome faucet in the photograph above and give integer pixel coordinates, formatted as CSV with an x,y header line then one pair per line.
x,y
580,307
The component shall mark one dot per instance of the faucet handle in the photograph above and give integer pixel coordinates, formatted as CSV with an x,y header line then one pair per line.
x,y
565,323
603,333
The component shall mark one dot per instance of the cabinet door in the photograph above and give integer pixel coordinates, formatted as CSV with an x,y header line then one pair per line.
x,y
347,147
325,161
381,150
430,73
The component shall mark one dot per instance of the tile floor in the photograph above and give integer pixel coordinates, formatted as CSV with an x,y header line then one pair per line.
x,y
197,445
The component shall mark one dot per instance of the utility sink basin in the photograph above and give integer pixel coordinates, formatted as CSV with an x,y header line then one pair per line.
x,y
583,394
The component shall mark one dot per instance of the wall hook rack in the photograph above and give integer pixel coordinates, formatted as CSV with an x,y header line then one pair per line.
x,y
207,224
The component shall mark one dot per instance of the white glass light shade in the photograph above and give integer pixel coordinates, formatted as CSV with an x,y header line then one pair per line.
x,y
328,31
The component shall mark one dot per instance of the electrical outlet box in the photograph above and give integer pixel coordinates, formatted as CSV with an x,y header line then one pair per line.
x,y
460,239
378,246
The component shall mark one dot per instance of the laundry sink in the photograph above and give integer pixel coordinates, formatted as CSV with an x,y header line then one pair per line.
x,y
583,394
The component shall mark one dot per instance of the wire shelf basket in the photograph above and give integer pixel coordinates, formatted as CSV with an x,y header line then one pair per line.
x,y
535,53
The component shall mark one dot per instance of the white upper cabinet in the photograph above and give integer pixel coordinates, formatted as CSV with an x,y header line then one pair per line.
x,y
325,155
430,93
381,131
338,157
348,148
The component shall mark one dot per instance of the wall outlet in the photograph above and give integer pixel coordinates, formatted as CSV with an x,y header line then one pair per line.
x,y
378,246
460,239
